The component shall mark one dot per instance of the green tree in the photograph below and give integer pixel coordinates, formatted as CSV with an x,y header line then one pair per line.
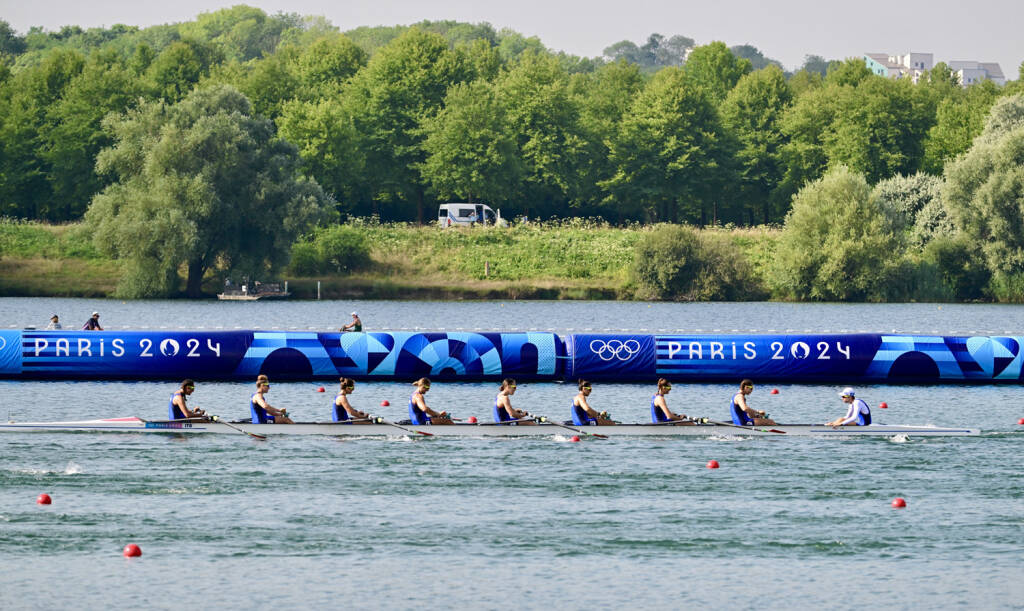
x,y
959,118
753,110
179,67
715,69
199,183
10,42
752,54
904,197
327,64
853,71
837,243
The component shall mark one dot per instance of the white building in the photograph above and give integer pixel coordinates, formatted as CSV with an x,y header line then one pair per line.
x,y
971,72
898,66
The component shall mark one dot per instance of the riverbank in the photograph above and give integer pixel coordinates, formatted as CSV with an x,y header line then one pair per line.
x,y
575,259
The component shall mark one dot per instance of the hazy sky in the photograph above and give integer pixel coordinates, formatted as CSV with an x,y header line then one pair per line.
x,y
982,30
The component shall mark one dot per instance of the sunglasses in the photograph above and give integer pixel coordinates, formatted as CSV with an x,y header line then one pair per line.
x,y
585,388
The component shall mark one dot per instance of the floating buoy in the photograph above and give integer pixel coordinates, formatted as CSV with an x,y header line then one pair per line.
x,y
384,403
471,420
899,503
321,389
575,439
775,391
43,499
1021,421
712,464
883,405
131,550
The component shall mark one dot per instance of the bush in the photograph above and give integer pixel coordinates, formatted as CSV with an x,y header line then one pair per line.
x,y
903,197
960,266
678,263
337,249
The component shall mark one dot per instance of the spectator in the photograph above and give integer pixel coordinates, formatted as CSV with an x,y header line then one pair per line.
x,y
54,324
93,324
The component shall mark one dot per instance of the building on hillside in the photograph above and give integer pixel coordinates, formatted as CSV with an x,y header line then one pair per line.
x,y
971,72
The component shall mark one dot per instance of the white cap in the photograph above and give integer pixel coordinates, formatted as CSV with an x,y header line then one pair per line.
x,y
95,313
847,392
53,316
354,314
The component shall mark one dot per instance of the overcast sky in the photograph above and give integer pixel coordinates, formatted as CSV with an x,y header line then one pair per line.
x,y
982,30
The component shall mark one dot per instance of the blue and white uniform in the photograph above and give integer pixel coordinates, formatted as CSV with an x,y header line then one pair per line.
x,y
417,415
858,412
739,417
340,414
259,415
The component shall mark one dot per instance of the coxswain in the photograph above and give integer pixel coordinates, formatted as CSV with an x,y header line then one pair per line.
x,y
419,413
177,408
659,406
582,413
857,414
343,411
503,410
743,414
262,412
356,325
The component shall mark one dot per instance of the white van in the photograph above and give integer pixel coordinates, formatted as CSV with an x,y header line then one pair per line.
x,y
465,215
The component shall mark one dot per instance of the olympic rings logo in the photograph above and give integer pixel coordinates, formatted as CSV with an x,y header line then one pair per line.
x,y
615,349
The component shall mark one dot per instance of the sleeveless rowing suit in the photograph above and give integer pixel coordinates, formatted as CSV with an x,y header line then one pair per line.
x,y
657,414
739,416
417,415
859,412
500,413
259,415
580,417
173,411
340,413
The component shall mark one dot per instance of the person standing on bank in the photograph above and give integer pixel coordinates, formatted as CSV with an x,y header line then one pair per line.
x,y
177,408
54,324
93,324
743,414
356,325
857,414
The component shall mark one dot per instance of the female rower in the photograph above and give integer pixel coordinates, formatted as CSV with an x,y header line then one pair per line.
x,y
263,412
582,413
659,406
343,411
177,409
419,413
503,410
743,414
857,414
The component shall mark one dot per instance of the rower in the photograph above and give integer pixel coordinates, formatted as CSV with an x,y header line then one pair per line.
x,y
343,412
503,410
419,413
743,414
857,414
262,412
177,409
582,413
659,406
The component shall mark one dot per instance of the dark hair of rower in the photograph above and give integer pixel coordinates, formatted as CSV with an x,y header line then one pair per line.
x,y
747,382
507,383
187,382
422,382
663,384
583,384
348,383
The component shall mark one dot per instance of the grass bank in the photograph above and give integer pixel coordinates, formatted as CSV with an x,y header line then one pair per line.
x,y
573,259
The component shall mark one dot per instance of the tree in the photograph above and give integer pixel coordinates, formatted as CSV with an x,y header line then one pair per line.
x,y
754,56
850,72
179,67
816,64
753,111
470,153
904,197
327,64
837,243
199,183
715,69
959,119
10,42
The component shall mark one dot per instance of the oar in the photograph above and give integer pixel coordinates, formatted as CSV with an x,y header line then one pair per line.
x,y
240,430
383,421
574,430
747,428
527,419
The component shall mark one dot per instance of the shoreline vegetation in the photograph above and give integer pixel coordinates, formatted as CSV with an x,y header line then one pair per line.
x,y
573,259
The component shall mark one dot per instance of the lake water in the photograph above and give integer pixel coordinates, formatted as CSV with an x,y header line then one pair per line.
x,y
514,523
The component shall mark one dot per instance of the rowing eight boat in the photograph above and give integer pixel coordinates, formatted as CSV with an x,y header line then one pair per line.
x,y
138,425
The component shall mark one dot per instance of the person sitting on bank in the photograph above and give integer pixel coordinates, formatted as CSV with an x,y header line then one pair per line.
x,y
659,406
582,413
743,414
54,324
857,414
93,324
419,413
262,412
356,325
178,409
503,410
343,411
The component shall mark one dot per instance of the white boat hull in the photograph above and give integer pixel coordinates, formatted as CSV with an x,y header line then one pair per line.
x,y
138,425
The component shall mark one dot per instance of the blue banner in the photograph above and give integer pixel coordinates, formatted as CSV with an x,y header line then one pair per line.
x,y
610,357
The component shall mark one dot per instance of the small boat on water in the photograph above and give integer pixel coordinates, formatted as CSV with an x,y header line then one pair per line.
x,y
383,429
257,292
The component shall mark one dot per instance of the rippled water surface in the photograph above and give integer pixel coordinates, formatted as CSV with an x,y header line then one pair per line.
x,y
230,521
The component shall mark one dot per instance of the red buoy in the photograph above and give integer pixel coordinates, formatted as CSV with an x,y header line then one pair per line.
x,y
43,499
471,420
1021,421
321,389
384,403
131,550
712,464
774,391
883,405
899,503
575,439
